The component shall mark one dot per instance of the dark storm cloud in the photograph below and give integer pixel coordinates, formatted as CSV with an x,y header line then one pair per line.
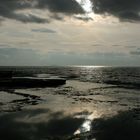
x,y
29,18
62,6
8,9
125,10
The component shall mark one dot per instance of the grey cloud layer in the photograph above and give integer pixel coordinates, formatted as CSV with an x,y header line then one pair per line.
x,y
44,30
63,6
8,9
135,52
125,10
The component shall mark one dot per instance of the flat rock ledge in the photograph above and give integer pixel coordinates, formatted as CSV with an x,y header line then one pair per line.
x,y
29,82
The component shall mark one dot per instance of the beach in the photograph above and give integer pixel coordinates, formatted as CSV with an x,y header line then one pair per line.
x,y
80,109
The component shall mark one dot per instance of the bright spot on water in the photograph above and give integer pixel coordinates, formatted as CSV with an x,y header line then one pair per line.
x,y
86,126
89,66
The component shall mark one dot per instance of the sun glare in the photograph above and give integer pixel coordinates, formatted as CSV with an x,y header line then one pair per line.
x,y
86,5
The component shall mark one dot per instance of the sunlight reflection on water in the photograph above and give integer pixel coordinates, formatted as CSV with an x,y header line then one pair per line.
x,y
86,126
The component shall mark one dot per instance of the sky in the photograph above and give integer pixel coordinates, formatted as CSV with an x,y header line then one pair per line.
x,y
69,32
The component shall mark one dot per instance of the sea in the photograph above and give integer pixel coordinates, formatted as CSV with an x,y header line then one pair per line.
x,y
96,103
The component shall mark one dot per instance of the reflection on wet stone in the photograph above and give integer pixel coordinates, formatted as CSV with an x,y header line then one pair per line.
x,y
17,104
41,124
88,107
19,126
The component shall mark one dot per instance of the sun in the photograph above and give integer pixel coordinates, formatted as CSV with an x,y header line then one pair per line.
x,y
86,5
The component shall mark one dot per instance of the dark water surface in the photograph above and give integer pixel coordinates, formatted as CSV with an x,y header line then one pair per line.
x,y
109,75
96,103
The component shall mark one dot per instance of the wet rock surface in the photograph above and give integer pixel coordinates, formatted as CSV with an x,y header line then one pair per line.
x,y
29,82
95,111
21,100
